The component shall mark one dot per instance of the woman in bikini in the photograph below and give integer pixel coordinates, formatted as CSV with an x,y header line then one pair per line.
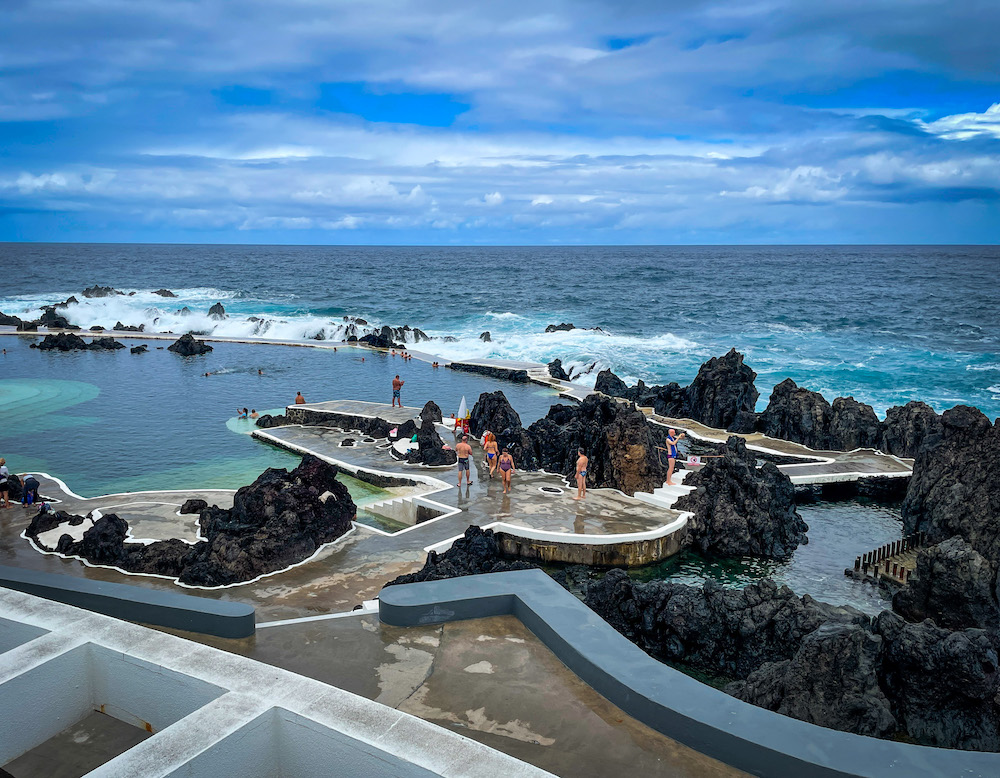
x,y
506,469
490,447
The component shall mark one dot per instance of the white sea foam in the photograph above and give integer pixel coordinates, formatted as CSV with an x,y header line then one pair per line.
x,y
988,366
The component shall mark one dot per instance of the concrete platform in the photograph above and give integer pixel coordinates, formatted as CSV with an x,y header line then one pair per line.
x,y
347,408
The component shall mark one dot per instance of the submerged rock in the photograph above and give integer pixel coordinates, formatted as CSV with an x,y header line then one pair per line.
x,y
493,412
187,346
140,349
740,509
722,390
476,552
556,370
954,487
105,344
616,437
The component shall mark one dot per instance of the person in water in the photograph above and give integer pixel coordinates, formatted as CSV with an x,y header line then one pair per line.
x,y
506,468
490,447
581,475
254,414
4,485
299,399
672,440
397,386
464,451
241,414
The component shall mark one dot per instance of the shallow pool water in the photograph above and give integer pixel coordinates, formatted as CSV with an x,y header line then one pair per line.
x,y
109,422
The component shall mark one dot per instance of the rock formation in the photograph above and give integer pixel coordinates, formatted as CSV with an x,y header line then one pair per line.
x,y
853,425
217,311
475,553
9,321
381,339
563,327
68,341
267,420
797,414
430,448
105,344
616,437
164,293
740,509
954,487
485,337
432,411
53,320
187,346
722,390
493,412
906,427
193,506
101,291
610,384
280,519
140,349
119,327
556,370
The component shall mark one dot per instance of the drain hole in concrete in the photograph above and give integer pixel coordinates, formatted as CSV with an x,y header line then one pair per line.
x,y
550,489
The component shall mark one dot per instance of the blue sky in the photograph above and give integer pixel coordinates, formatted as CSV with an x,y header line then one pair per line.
x,y
397,122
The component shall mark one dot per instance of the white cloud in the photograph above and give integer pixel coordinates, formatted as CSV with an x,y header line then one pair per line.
x,y
963,126
493,198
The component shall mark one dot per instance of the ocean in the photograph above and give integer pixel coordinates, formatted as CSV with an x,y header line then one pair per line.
x,y
886,324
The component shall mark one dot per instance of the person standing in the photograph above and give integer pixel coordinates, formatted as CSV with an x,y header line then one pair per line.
x,y
506,468
464,451
491,449
4,486
397,386
581,475
672,440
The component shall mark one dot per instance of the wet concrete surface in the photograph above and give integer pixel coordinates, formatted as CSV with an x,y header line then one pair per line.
x,y
489,679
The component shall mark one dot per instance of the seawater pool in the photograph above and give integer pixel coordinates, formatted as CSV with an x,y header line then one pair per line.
x,y
108,422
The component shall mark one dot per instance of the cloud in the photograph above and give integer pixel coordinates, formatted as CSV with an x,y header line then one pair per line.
x,y
964,126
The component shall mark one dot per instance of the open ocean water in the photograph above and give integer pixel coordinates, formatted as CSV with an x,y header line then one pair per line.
x,y
884,324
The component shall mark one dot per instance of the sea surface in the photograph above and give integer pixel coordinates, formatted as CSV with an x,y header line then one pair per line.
x,y
884,324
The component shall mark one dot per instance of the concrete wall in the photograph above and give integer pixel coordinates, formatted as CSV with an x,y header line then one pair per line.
x,y
632,553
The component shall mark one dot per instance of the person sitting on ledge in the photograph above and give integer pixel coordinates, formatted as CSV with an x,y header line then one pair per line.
x,y
299,399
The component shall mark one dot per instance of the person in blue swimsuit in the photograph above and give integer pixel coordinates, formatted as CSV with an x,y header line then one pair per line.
x,y
581,475
672,440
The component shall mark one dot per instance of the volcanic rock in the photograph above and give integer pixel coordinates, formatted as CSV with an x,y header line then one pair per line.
x,y
486,337
493,412
556,370
187,346
798,415
610,384
105,344
564,327
28,326
54,321
9,321
164,293
832,681
430,448
853,425
474,553
140,349
185,311
100,291
943,685
63,341
431,411
381,339
97,328
954,487
740,510
119,327
193,506
267,420
907,427
616,437
217,311
953,585
731,632
722,390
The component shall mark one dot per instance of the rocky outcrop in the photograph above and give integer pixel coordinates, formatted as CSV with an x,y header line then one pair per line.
x,y
493,412
954,585
954,487
723,389
563,327
187,346
430,447
853,425
68,341
119,327
728,632
217,311
485,337
279,520
194,506
53,320
740,509
185,311
556,370
831,680
906,428
474,553
616,437
267,420
432,412
503,373
943,685
164,293
101,291
9,321
797,414
610,384
381,339
140,349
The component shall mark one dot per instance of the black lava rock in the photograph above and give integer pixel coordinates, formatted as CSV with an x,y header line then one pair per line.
x,y
217,311
474,553
556,370
493,412
193,506
722,390
187,346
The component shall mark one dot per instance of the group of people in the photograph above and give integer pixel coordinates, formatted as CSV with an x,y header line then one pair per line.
x,y
29,487
243,413
404,354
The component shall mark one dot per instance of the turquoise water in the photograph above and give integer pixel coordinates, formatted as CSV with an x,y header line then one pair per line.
x,y
108,422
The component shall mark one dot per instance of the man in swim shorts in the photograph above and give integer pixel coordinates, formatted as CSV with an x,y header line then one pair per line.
x,y
581,475
672,440
396,386
464,451
299,399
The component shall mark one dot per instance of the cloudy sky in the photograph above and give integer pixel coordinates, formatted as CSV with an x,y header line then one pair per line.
x,y
391,121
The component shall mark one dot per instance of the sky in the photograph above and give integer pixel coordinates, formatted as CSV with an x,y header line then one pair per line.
x,y
398,122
